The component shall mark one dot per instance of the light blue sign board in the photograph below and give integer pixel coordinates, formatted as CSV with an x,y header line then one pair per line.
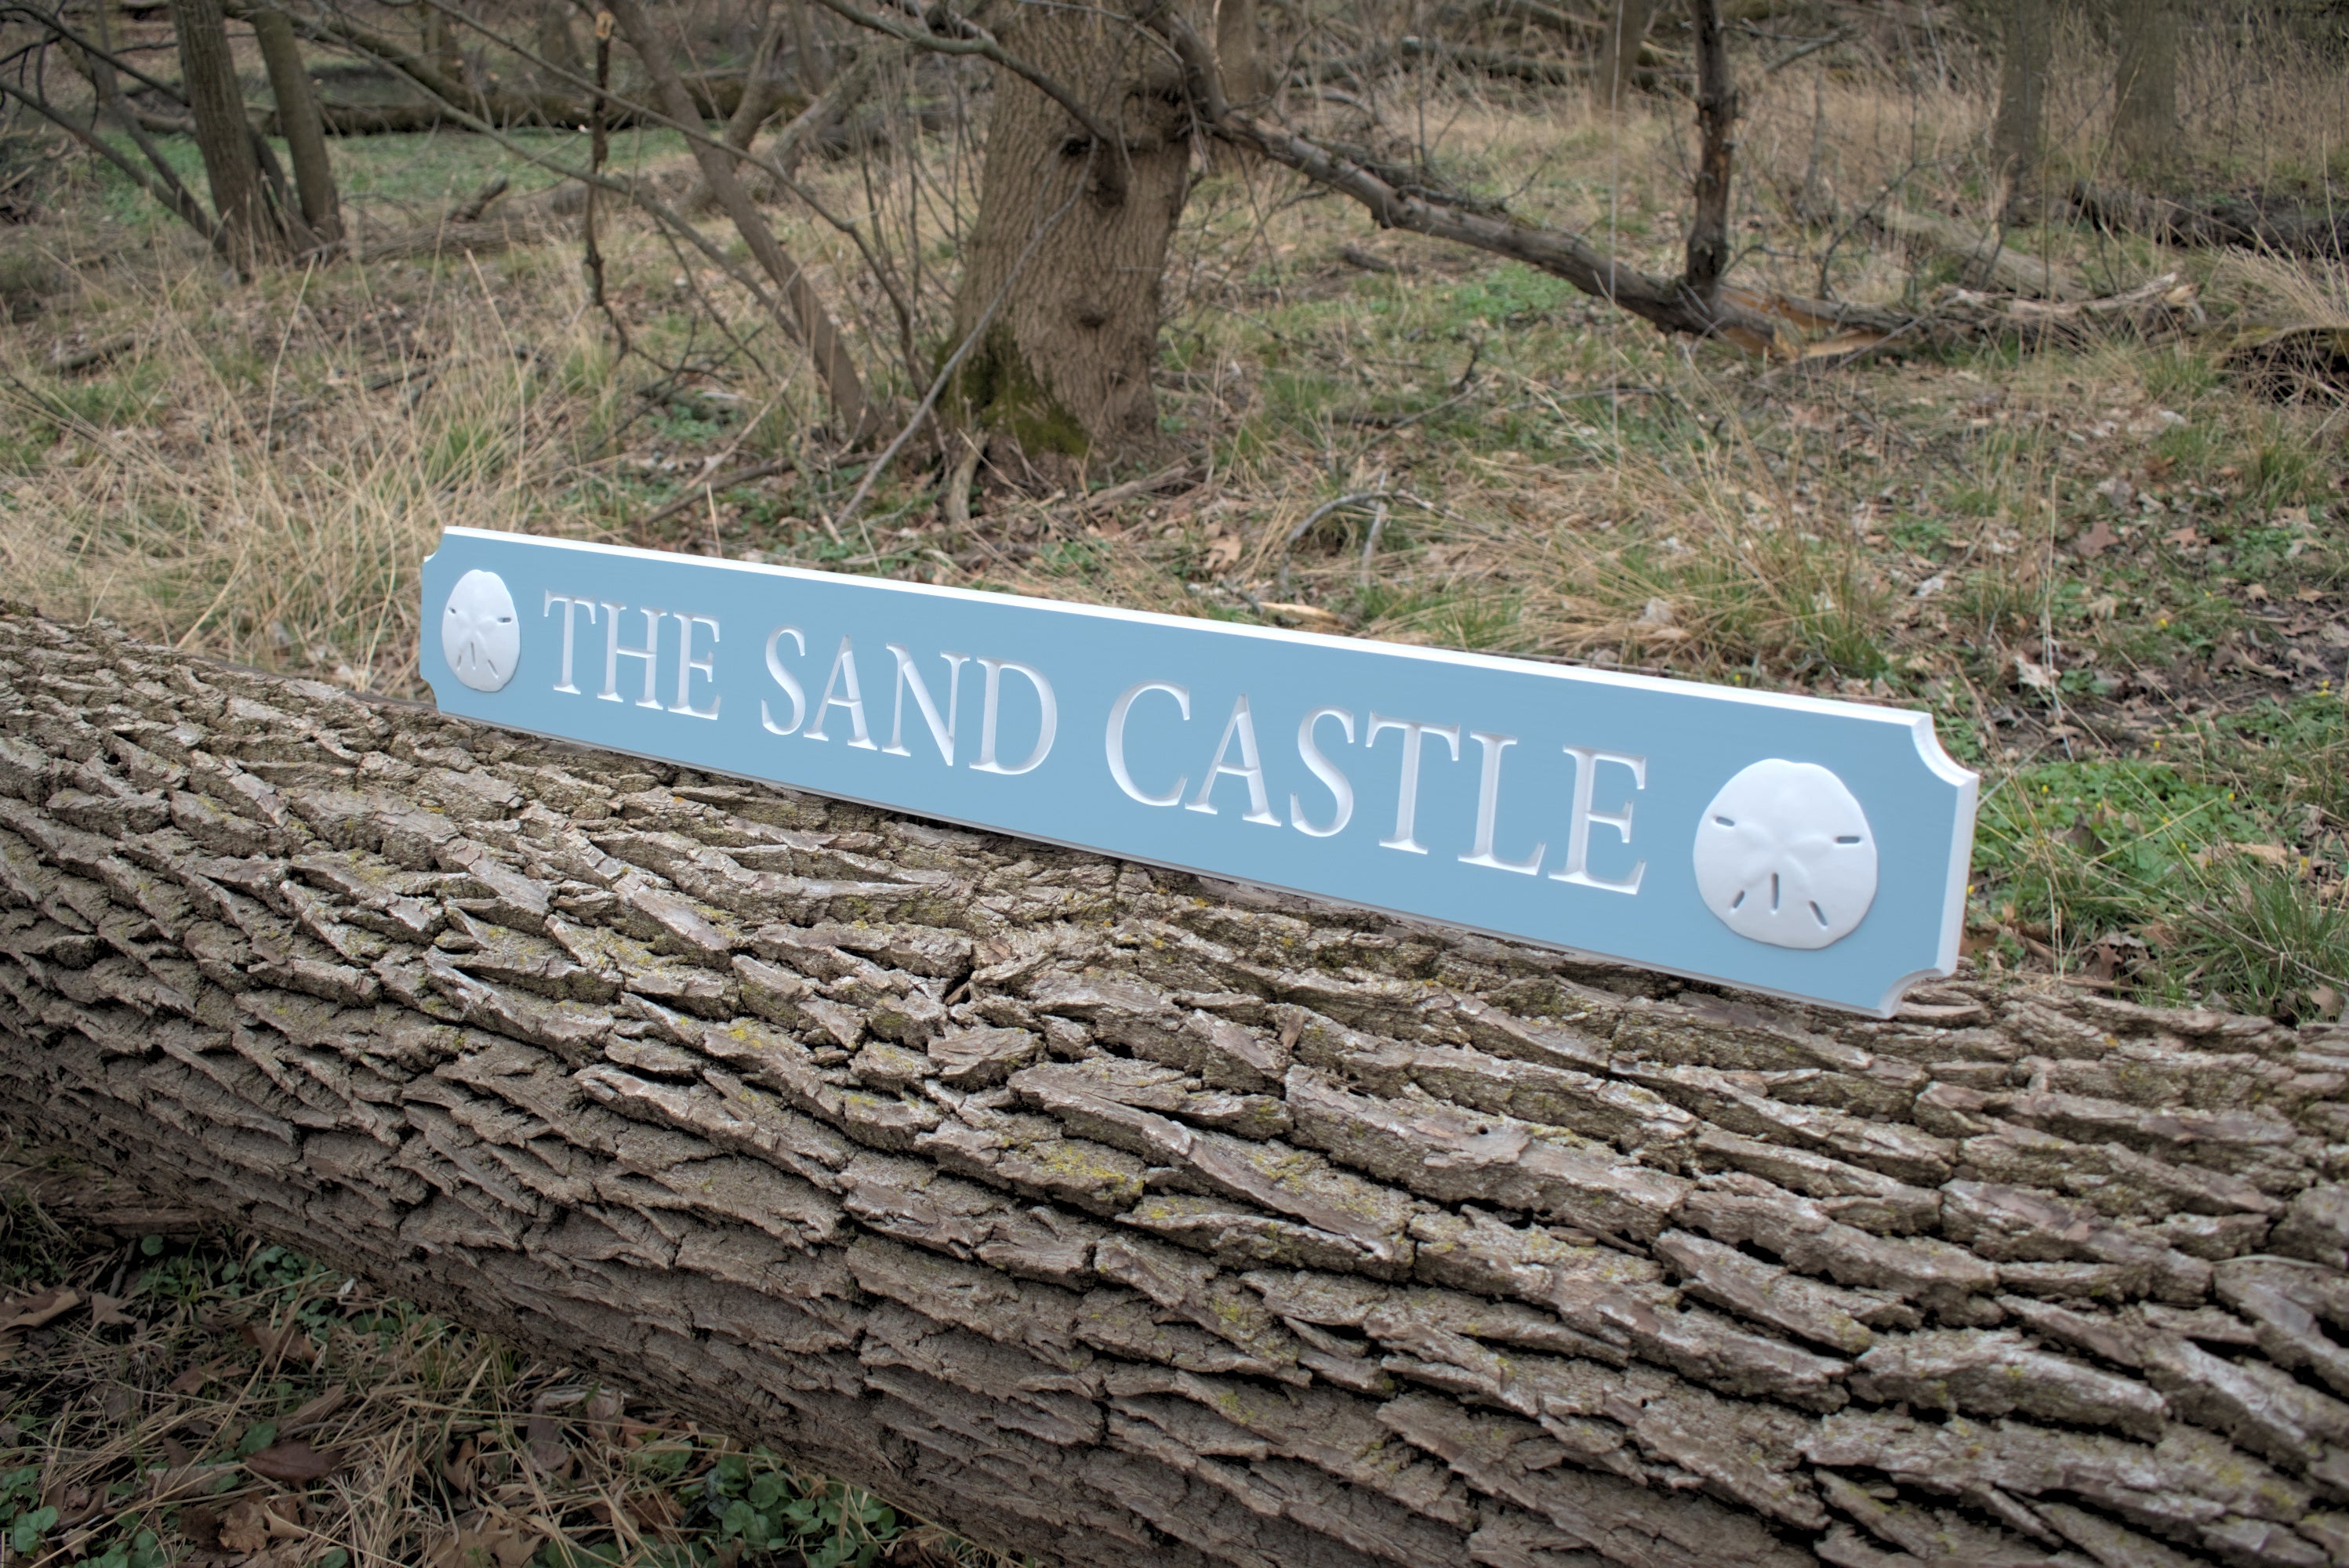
x,y
1811,849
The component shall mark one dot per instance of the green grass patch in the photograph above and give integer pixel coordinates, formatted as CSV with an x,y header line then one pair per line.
x,y
2202,861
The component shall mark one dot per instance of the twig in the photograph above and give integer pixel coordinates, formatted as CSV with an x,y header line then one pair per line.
x,y
1370,539
1813,48
599,143
1393,422
181,203
955,500
710,487
967,38
1326,508
1101,501
93,354
469,210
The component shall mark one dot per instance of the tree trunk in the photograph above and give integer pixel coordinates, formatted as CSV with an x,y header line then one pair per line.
x,y
1061,284
762,95
1707,255
2018,136
1618,48
250,229
1239,52
107,87
558,45
2145,87
437,42
762,85
810,58
299,122
2221,221
1128,1219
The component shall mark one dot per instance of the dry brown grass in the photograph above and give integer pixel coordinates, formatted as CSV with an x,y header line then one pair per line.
x,y
258,476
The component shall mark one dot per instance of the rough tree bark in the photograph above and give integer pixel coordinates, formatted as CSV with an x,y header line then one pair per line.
x,y
250,228
1062,282
2145,85
299,122
2018,133
1126,1219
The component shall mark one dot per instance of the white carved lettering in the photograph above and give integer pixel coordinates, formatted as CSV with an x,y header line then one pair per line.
x,y
843,679
687,666
1577,869
1048,724
1407,792
1340,788
785,679
615,651
571,608
942,731
1488,808
1240,726
1114,741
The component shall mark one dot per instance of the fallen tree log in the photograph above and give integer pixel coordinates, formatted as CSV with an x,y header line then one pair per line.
x,y
1987,262
1121,1218
2220,222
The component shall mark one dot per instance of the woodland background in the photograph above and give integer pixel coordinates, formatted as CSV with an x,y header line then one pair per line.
x,y
1991,359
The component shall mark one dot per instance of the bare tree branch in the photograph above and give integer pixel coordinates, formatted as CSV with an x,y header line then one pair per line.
x,y
809,321
1670,302
175,199
618,111
963,37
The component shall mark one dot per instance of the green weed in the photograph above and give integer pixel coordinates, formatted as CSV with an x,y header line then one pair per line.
x,y
2257,936
2178,374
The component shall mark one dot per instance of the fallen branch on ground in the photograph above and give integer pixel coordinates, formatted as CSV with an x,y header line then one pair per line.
x,y
1984,259
2222,221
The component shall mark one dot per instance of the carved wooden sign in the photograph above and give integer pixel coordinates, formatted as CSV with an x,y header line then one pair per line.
x,y
1812,849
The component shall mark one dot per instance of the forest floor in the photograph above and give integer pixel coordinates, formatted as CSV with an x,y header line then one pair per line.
x,y
2117,571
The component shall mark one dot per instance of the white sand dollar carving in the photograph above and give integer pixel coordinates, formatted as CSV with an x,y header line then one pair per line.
x,y
1783,855
480,635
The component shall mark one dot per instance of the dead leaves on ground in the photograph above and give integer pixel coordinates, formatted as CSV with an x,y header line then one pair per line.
x,y
295,1462
2095,541
499,1544
21,1314
26,1311
544,1446
254,1532
290,1344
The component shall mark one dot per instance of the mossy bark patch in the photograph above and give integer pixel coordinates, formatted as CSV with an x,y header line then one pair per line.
x,y
998,390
